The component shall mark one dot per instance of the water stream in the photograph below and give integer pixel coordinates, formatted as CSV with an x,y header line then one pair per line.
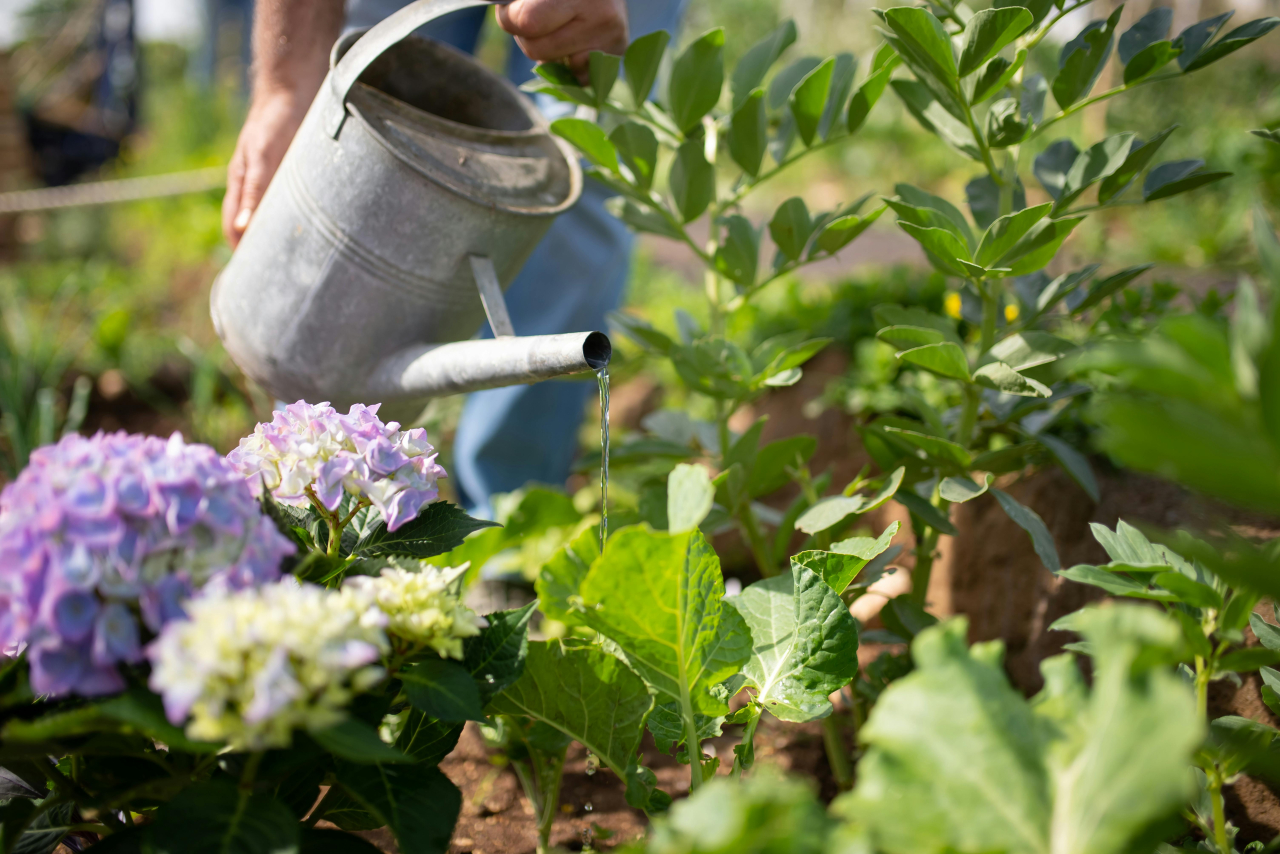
x,y
603,377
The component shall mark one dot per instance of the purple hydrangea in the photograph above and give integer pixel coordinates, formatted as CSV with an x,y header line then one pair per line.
x,y
311,450
97,533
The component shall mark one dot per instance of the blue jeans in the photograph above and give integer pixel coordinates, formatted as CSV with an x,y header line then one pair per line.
x,y
511,436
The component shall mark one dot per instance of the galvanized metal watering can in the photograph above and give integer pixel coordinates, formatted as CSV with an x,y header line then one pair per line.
x,y
413,193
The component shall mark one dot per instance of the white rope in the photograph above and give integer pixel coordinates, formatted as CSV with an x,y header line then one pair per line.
x,y
113,192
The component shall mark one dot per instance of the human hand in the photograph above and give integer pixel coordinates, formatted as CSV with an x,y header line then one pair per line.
x,y
566,31
273,120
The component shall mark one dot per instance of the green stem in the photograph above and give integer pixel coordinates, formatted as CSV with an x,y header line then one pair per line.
x,y
759,549
1219,813
82,799
250,772
550,796
968,415
1044,30
1102,96
983,149
837,756
924,564
692,743
742,191
749,741
1202,686
990,313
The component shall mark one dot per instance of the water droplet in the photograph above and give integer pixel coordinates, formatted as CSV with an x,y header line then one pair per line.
x,y
593,764
587,806
603,379
488,677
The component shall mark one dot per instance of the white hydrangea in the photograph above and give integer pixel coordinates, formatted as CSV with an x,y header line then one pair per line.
x,y
423,605
249,667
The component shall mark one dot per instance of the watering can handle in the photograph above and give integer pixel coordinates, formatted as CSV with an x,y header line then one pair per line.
x,y
390,31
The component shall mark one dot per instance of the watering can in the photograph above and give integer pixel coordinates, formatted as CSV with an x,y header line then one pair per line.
x,y
414,191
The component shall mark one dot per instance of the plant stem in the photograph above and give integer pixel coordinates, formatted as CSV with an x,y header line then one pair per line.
x,y
759,549
990,313
1102,96
550,796
837,756
1219,812
691,742
924,564
748,739
1202,687
250,772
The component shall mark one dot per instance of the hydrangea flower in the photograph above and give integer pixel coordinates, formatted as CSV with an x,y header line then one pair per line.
x,y
96,532
423,605
250,666
312,448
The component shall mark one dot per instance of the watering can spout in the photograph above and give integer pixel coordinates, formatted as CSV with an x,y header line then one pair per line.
x,y
465,366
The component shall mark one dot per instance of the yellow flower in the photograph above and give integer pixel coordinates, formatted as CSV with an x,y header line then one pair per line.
x,y
951,305
1010,313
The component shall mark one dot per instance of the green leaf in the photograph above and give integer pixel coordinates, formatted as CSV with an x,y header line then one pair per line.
x,y
144,711
638,148
786,80
934,446
317,840
1030,521
1001,377
1006,125
437,529
1095,163
642,218
957,760
1194,38
1140,155
896,315
934,117
419,804
809,100
642,61
212,817
1189,591
693,181
1149,29
1039,9
602,71
945,358
1038,247
841,565
770,471
689,498
356,741
804,643
427,740
843,230
1005,232
495,657
588,138
750,71
1231,42
1248,660
442,689
1150,60
828,513
988,32
560,579
995,75
1267,634
696,80
838,95
659,598
947,252
791,227
564,84
929,211
1052,165
1177,176
926,512
1074,463
585,693
926,42
958,490
739,251
866,97
1082,60
749,133
1108,286
983,197
908,337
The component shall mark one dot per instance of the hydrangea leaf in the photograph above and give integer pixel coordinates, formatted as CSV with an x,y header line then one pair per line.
x,y
560,579
419,804
805,643
356,741
443,689
211,817
659,597
585,693
496,656
439,528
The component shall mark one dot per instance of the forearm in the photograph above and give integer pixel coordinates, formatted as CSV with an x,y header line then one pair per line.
x,y
291,43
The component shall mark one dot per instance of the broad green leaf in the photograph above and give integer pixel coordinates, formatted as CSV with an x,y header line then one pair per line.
x,y
947,252
443,689
1005,232
906,618
588,138
1006,125
1030,521
689,498
929,211
602,71
642,61
437,529
809,100
356,741
1189,591
1108,286
211,817
1248,660
715,367
560,579
786,80
585,693
866,97
1039,9
828,513
1194,38
843,230
1052,165
1149,60
988,32
887,490
1177,176
995,75
1034,92
889,314
791,227
1074,463
642,218
1003,378
739,251
837,95
771,469
946,358
693,181
1149,29
1140,155
495,657
659,598
696,80
804,643
144,711
841,565
1267,634
419,804
668,728
934,446
926,512
749,133
638,148
1093,164
934,117
1039,246
564,84
1082,60
958,490
908,337
750,71
926,41
1232,41
983,198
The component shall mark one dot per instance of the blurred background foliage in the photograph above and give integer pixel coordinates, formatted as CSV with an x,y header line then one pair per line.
x,y
118,295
